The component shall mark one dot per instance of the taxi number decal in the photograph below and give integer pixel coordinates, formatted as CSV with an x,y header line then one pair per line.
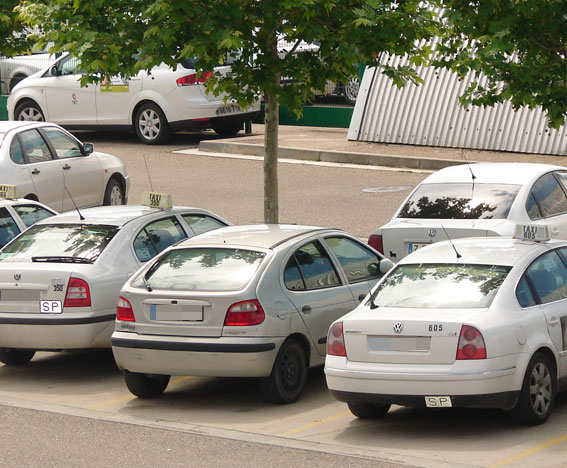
x,y
436,327
50,307
58,287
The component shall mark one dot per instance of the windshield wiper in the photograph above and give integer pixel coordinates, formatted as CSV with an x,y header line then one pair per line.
x,y
146,283
61,259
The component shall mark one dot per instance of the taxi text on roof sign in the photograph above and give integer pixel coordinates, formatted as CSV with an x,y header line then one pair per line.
x,y
7,191
157,200
532,232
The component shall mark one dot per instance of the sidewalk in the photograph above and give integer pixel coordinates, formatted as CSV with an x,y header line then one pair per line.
x,y
331,145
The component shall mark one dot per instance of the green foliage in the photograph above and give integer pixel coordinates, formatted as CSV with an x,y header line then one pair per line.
x,y
12,30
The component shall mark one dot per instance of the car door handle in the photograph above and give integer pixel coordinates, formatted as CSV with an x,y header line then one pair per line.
x,y
553,321
66,166
306,309
361,297
35,171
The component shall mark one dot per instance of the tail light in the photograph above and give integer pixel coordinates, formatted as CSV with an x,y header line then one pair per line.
x,y
471,344
245,313
124,310
336,340
78,293
193,79
375,241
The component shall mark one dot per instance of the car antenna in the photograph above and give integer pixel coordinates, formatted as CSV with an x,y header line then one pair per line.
x,y
148,172
450,240
81,217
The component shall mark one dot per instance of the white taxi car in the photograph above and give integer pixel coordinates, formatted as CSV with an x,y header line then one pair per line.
x,y
60,279
477,323
153,104
242,301
476,200
48,164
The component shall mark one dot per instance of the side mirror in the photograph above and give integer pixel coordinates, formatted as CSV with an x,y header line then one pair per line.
x,y
386,265
88,148
55,71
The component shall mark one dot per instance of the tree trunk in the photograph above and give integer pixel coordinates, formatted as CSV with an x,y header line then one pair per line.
x,y
271,205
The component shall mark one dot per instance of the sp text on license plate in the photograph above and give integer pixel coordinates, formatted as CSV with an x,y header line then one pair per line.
x,y
50,307
438,402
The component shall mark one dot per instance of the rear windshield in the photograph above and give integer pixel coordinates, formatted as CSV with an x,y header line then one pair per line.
x,y
59,243
203,269
460,201
440,286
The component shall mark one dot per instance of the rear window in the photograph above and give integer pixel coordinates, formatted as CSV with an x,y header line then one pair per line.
x,y
59,243
440,286
460,201
203,269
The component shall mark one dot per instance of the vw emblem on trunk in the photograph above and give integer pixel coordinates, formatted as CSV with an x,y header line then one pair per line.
x,y
398,327
432,232
17,276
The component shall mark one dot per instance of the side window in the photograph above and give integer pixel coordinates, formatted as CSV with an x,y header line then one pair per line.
x,y
16,153
549,196
548,278
157,236
34,147
31,214
316,267
292,276
359,263
8,227
524,294
70,66
532,208
202,223
64,145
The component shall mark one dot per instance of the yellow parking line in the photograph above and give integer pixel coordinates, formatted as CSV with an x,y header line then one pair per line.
x,y
531,451
115,401
314,424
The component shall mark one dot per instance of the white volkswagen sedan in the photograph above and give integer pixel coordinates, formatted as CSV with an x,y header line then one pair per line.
x,y
60,279
242,301
470,200
48,164
478,323
153,104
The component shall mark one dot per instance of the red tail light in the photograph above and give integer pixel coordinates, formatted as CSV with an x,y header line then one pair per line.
x,y
124,310
194,79
245,313
336,340
78,293
471,344
375,241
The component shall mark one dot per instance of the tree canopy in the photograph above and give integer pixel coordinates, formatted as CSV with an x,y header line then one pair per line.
x,y
12,30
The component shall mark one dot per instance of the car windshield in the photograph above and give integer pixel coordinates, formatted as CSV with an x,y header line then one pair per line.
x,y
77,243
440,286
460,201
203,269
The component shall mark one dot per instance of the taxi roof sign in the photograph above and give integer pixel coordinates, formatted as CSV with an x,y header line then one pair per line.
x,y
7,191
532,232
157,200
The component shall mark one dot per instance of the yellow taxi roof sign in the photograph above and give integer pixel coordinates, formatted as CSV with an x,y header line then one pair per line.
x,y
157,200
7,191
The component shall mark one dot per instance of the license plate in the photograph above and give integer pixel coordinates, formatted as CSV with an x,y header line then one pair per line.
x,y
438,402
228,109
414,246
176,314
50,307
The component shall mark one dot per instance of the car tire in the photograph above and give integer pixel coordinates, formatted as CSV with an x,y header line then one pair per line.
x,y
16,357
114,195
368,410
537,394
227,127
28,110
150,124
351,89
288,376
146,385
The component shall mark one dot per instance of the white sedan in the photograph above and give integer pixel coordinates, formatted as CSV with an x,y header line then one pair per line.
x,y
48,164
59,280
153,104
470,200
474,323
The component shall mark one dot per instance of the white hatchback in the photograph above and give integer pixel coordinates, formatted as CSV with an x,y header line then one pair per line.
x,y
153,104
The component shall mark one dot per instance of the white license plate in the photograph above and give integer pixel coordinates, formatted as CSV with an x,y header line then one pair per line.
x,y
228,109
50,307
414,246
176,313
438,402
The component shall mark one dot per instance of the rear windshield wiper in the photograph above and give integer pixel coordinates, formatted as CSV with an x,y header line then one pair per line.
x,y
61,259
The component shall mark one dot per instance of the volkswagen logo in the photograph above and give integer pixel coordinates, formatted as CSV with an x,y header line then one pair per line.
x,y
432,232
398,327
17,276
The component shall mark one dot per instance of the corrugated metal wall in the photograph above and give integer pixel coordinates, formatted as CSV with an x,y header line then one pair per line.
x,y
430,115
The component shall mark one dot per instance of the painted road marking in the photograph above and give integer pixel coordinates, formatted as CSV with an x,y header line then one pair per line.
x,y
314,423
531,451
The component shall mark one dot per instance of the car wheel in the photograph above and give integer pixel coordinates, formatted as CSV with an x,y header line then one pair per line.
x,y
151,125
16,357
351,90
28,110
537,393
113,194
226,127
146,385
368,410
288,376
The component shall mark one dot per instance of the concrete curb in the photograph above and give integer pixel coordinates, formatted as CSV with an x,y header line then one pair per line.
x,y
366,159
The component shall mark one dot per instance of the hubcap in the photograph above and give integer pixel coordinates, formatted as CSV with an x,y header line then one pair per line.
x,y
149,124
352,87
116,196
31,113
290,371
540,389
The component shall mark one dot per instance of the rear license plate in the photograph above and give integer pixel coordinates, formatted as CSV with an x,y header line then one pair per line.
x,y
50,307
228,109
414,246
438,402
176,313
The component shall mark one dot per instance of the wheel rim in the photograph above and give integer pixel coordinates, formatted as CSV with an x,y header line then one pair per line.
x,y
351,88
149,124
115,195
541,389
31,113
290,371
